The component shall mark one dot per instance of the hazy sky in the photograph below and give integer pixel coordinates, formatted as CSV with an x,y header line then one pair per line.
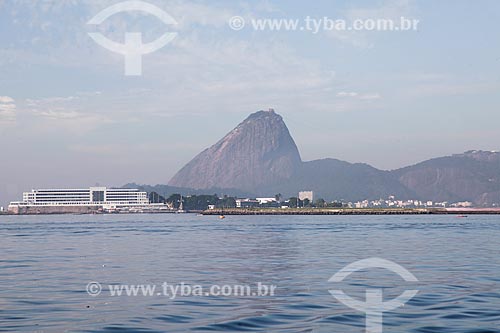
x,y
69,117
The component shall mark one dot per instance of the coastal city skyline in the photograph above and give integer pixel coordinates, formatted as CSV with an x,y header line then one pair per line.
x,y
386,98
102,200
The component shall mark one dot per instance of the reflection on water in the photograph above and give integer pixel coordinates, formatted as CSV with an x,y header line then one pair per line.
x,y
47,261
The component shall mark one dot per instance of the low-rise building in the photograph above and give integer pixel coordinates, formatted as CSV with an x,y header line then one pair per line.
x,y
80,200
303,195
246,203
263,201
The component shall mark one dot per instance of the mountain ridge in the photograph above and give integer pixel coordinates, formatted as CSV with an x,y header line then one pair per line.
x,y
260,156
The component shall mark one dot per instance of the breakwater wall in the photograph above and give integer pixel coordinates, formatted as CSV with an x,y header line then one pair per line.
x,y
38,210
348,211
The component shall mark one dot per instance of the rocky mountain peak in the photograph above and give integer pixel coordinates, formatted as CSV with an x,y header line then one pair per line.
x,y
259,151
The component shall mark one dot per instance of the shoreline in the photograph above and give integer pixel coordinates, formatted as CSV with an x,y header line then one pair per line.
x,y
99,213
292,211
353,211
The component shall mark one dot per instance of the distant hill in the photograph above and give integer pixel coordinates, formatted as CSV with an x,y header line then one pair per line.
x,y
334,179
473,176
166,190
260,158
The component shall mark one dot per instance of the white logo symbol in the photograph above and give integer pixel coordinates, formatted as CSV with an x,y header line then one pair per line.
x,y
133,49
236,23
374,306
94,288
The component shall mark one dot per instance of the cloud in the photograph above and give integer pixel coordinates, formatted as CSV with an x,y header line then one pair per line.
x,y
427,77
370,96
353,94
347,94
48,100
60,114
120,149
74,113
7,110
388,9
189,14
452,89
6,99
208,65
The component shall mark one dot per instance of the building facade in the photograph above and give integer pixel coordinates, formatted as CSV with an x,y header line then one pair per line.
x,y
94,197
246,203
306,195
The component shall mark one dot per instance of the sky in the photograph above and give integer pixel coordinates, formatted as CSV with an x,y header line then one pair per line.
x,y
70,117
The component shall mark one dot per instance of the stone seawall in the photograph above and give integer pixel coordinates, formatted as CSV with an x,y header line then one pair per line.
x,y
35,210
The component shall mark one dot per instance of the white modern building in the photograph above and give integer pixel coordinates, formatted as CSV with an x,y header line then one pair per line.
x,y
102,197
306,195
263,201
246,203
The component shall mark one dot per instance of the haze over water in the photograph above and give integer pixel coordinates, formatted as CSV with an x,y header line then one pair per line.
x,y
46,263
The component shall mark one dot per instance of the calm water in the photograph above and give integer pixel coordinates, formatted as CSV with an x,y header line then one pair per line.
x,y
47,261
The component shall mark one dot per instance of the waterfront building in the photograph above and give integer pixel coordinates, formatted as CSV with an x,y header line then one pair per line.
x,y
246,203
81,200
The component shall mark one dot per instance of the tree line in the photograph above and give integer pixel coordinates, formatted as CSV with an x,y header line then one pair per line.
x,y
203,201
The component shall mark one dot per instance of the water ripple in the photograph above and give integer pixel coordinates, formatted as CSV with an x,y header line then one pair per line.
x,y
47,261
